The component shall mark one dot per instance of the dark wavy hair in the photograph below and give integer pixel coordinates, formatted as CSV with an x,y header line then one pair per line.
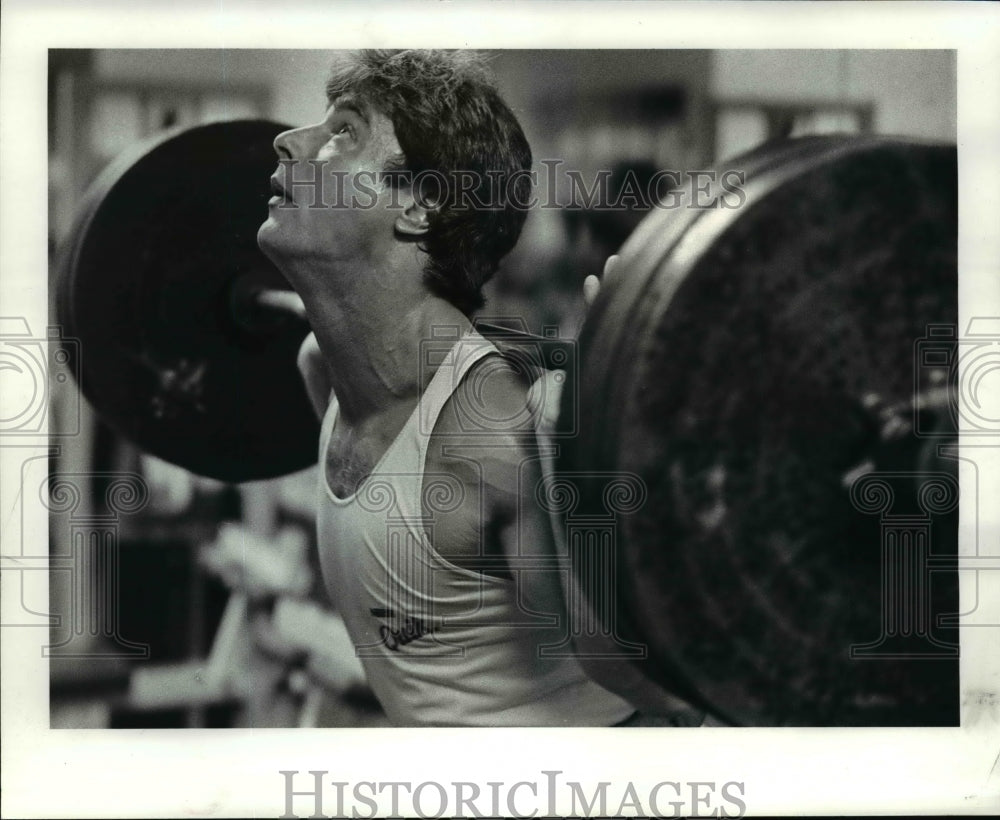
x,y
449,119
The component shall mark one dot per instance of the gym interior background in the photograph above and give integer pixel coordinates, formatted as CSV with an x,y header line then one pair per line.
x,y
194,646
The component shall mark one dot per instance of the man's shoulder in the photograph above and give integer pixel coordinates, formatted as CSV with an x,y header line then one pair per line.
x,y
485,433
489,403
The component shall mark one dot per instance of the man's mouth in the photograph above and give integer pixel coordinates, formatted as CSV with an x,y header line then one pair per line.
x,y
279,190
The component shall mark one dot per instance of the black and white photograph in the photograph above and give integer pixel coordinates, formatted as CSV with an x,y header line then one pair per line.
x,y
591,419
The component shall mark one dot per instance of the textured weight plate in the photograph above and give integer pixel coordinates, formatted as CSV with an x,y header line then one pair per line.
x,y
146,283
749,367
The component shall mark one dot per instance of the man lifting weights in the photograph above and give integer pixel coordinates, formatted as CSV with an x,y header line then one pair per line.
x,y
428,465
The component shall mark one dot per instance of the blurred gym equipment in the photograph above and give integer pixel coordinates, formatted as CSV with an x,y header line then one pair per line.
x,y
753,366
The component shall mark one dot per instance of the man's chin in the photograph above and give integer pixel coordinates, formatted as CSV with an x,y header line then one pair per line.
x,y
269,240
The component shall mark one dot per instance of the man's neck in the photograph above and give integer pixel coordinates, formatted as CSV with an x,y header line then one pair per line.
x,y
372,343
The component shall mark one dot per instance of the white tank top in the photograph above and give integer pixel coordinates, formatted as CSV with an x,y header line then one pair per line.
x,y
441,645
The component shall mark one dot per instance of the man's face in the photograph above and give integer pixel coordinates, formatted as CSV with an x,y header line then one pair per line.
x,y
330,204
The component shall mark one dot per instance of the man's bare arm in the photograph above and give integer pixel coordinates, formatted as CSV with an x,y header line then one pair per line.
x,y
500,464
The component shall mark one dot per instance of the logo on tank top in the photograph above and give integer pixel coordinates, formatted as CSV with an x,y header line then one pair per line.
x,y
408,628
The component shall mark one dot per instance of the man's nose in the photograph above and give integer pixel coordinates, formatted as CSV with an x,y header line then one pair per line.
x,y
292,144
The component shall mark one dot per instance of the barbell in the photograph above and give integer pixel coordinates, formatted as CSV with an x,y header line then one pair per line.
x,y
752,372
158,280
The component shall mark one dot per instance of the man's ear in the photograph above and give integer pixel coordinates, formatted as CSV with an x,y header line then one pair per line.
x,y
414,220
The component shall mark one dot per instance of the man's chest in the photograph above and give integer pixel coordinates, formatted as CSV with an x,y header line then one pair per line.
x,y
354,451
349,463
453,512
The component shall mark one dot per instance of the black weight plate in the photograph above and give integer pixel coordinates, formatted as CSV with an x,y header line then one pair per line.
x,y
732,369
146,284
